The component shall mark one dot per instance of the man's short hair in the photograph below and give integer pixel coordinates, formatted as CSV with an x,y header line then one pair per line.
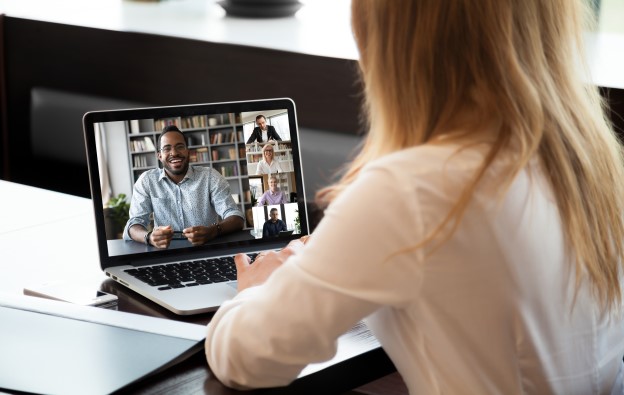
x,y
171,128
167,129
260,116
273,209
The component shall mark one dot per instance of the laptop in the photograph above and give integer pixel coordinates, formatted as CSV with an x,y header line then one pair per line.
x,y
122,144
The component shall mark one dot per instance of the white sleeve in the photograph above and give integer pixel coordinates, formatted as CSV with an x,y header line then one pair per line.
x,y
259,168
266,335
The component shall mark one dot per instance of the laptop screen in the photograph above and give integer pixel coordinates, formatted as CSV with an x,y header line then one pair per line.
x,y
229,141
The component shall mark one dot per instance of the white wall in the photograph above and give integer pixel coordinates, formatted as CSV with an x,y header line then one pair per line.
x,y
118,162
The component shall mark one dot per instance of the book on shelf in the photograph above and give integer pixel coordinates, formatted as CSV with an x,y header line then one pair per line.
x,y
194,122
202,154
284,156
254,148
140,161
142,145
235,118
228,170
134,126
218,119
253,159
149,144
192,155
283,146
224,137
159,124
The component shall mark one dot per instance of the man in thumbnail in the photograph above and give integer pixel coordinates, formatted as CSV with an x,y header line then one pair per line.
x,y
273,226
274,195
263,132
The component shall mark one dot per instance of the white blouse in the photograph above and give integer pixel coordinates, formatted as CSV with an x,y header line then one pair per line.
x,y
489,312
265,168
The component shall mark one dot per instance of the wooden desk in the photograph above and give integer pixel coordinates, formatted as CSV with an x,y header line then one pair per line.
x,y
47,236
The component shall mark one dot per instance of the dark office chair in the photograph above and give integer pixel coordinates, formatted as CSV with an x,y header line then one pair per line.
x,y
57,143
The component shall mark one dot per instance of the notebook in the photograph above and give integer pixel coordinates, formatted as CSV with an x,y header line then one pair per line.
x,y
121,147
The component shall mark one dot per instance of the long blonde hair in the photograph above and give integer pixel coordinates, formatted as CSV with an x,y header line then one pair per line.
x,y
423,62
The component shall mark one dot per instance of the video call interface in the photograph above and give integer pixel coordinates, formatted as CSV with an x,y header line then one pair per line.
x,y
252,151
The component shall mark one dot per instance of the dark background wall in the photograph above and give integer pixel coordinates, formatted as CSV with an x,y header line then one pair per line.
x,y
151,70
114,68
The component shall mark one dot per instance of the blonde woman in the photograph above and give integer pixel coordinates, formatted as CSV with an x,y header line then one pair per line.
x,y
494,266
268,164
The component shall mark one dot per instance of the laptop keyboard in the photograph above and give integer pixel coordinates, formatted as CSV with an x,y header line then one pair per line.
x,y
188,274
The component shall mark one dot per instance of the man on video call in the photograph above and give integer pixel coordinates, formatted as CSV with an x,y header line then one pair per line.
x,y
182,198
263,132
273,226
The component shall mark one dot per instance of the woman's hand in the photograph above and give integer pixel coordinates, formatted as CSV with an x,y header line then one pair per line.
x,y
250,274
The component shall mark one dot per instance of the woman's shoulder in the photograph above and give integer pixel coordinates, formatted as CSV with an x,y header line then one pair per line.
x,y
427,166
432,158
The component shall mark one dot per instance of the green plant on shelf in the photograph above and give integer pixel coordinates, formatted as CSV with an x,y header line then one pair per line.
x,y
297,222
119,210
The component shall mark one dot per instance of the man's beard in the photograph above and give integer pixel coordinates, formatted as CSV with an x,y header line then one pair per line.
x,y
177,172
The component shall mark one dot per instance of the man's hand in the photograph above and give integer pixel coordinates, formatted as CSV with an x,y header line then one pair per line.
x,y
199,235
161,236
250,274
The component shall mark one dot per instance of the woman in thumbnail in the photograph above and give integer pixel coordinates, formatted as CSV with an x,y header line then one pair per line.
x,y
480,230
268,164
274,195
